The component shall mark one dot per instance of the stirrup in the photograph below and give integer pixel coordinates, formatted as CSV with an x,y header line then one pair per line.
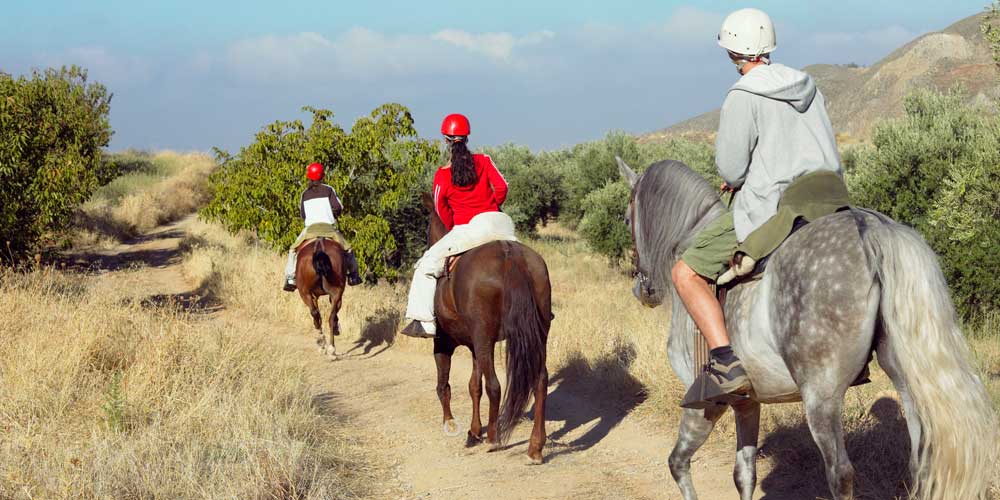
x,y
706,393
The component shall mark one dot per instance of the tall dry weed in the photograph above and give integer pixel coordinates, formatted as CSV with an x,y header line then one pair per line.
x,y
105,397
139,201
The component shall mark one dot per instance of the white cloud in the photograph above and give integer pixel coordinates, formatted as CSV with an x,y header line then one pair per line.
x,y
496,45
362,53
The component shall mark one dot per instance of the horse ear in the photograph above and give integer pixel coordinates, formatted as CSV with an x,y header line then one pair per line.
x,y
627,173
427,201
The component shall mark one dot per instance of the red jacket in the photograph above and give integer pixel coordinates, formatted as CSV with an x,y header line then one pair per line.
x,y
458,205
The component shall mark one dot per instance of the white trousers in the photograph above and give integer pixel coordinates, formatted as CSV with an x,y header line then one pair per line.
x,y
483,228
290,265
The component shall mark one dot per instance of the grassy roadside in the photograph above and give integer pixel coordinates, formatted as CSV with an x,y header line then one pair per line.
x,y
153,189
107,397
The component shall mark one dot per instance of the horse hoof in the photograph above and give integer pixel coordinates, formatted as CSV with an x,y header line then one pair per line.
x,y
472,440
535,461
451,428
494,447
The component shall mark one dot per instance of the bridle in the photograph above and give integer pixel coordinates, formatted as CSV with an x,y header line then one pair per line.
x,y
641,276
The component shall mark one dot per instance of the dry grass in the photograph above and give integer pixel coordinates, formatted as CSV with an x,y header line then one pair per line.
x,y
104,397
161,188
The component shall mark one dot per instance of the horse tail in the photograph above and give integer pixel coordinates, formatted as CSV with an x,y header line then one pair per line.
x,y
526,330
323,266
958,448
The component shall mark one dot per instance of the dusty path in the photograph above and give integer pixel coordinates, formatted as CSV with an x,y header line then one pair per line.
x,y
595,450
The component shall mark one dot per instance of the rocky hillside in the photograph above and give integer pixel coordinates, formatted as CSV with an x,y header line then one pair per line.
x,y
859,97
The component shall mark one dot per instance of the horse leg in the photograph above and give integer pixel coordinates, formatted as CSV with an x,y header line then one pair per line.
x,y
695,427
334,328
538,431
824,415
443,349
887,360
484,358
476,393
317,321
747,432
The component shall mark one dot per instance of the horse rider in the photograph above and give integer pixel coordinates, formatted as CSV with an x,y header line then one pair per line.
x,y
773,128
468,193
320,206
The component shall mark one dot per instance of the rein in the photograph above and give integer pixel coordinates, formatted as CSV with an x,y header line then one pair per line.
x,y
640,275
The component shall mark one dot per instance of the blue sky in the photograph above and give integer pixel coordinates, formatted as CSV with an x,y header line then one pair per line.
x,y
193,75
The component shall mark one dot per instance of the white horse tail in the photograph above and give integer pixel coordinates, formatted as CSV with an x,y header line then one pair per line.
x,y
958,450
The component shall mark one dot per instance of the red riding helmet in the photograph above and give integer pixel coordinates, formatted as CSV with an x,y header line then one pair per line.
x,y
455,124
314,171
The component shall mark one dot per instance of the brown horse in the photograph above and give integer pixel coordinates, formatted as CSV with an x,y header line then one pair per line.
x,y
497,291
319,270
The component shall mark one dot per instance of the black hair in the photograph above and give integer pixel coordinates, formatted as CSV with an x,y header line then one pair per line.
x,y
463,168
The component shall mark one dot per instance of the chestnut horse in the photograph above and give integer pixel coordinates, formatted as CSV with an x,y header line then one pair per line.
x,y
497,291
319,270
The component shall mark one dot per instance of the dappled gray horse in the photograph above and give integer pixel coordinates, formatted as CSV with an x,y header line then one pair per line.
x,y
839,288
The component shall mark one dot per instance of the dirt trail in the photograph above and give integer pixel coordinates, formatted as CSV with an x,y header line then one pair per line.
x,y
594,451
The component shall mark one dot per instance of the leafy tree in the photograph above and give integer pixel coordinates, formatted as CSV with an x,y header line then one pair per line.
x,y
372,168
536,186
937,170
592,167
603,226
53,126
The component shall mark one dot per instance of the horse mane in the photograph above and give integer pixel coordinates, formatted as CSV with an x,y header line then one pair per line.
x,y
672,203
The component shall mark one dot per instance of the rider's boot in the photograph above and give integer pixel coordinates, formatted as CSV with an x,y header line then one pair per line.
x,y
722,381
353,278
420,329
289,285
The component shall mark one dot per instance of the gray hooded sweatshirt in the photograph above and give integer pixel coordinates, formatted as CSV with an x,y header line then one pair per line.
x,y
773,128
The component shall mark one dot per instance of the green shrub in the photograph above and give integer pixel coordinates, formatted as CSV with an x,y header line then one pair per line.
x,y
372,168
700,156
937,169
53,126
535,182
603,227
592,166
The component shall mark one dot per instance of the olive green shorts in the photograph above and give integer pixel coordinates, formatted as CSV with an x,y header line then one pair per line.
x,y
713,248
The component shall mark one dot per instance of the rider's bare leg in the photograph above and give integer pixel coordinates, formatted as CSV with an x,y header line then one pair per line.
x,y
724,375
701,304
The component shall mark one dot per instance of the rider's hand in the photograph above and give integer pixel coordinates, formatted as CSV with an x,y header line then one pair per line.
x,y
726,188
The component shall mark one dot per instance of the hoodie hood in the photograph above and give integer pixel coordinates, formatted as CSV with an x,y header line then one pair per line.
x,y
781,83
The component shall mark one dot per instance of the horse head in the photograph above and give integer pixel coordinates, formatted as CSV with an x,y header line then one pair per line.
x,y
643,289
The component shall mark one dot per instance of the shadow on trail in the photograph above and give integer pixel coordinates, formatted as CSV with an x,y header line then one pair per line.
x,y
603,391
200,301
879,449
379,330
99,262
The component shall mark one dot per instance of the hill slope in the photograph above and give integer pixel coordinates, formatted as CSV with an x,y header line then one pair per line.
x,y
858,97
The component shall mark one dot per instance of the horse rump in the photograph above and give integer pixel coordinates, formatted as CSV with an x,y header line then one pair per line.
x,y
323,267
526,331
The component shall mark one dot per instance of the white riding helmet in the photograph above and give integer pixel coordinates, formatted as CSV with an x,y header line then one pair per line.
x,y
748,32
